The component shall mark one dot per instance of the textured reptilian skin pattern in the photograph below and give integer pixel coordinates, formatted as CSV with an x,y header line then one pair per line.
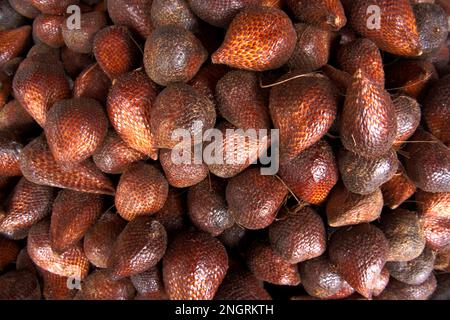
x,y
19,285
258,39
398,189
433,204
92,82
397,290
142,190
10,150
54,287
382,282
206,79
48,29
194,266
12,43
408,118
437,232
8,252
173,12
99,286
415,271
345,208
134,14
53,6
253,199
432,26
15,119
149,284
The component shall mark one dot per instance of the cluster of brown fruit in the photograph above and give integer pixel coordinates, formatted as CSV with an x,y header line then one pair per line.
x,y
94,207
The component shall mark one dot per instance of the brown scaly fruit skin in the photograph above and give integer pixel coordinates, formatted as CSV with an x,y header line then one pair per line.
x,y
359,255
398,189
25,8
170,12
19,285
74,63
53,6
100,238
207,206
433,204
10,150
149,285
368,125
39,166
437,232
129,106
298,236
48,29
363,176
92,82
326,14
99,286
397,290
24,262
398,31
194,266
234,237
8,252
5,88
382,282
312,174
134,14
320,280
173,54
254,199
413,272
432,26
428,162
72,215
142,190
115,51
10,18
206,80
13,43
241,102
408,118
179,106
303,110
405,234
266,265
436,109
258,39
72,263
28,204
172,214
345,208
55,287
74,129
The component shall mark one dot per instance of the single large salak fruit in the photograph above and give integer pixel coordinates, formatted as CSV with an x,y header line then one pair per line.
x,y
71,263
15,119
129,105
254,199
39,166
436,109
134,14
9,251
326,14
173,12
408,118
99,286
298,235
268,266
359,255
38,85
194,266
53,6
397,290
56,287
398,189
28,204
303,109
48,29
10,150
19,285
181,107
433,204
258,39
142,190
392,25
368,123
13,43
149,285
92,82
74,129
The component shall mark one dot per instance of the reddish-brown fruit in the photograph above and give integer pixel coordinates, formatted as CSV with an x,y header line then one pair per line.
x,y
268,266
129,105
100,286
312,174
234,237
254,199
72,215
436,109
39,166
75,128
28,204
15,119
382,282
408,118
74,63
173,54
312,50
359,255
397,290
364,55
38,85
393,30
172,213
114,156
92,82
206,80
142,190
134,14
398,189
13,43
184,174
415,271
19,285
43,51
437,232
432,26
303,109
345,208
48,29
299,235
207,206
25,8
53,6
180,106
81,40
326,14
57,287
5,88
149,285
10,150
428,162
71,263
115,51
194,266
24,262
8,252
258,39
405,235
239,284
320,280
241,102
433,204
100,238
173,12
